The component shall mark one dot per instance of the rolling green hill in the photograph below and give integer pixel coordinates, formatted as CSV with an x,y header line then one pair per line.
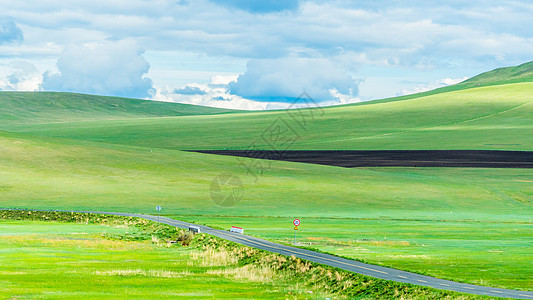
x,y
521,73
505,75
493,117
51,107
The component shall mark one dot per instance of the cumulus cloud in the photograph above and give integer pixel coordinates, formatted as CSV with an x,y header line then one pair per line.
x,y
212,94
20,76
284,79
10,33
456,38
108,68
215,94
189,90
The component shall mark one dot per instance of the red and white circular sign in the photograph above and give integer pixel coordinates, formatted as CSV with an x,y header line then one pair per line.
x,y
296,222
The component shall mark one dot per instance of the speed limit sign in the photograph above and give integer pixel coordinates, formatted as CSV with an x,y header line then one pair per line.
x,y
296,222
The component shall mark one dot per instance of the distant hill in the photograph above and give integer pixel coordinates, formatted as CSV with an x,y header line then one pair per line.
x,y
521,73
53,107
486,118
506,75
478,114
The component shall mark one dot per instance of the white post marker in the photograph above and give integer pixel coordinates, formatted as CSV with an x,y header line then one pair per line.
x,y
158,208
296,223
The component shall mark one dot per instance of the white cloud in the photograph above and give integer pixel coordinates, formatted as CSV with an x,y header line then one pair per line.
x,y
211,94
455,38
189,90
216,94
110,68
223,79
286,78
20,76
398,31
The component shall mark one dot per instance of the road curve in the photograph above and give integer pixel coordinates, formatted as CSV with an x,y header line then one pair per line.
x,y
334,261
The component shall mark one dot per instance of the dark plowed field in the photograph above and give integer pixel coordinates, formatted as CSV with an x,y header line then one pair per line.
x,y
394,158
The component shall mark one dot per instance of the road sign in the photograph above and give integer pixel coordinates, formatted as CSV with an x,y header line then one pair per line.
x,y
296,222
158,208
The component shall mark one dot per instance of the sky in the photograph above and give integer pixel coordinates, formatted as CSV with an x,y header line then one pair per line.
x,y
248,54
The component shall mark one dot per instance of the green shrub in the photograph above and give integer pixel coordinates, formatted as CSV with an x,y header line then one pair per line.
x,y
185,237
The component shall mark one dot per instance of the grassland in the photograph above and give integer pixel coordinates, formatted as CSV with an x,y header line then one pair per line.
x,y
76,257
450,217
485,253
492,118
471,225
46,259
44,107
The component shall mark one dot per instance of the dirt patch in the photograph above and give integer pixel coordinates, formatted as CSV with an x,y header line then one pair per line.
x,y
394,158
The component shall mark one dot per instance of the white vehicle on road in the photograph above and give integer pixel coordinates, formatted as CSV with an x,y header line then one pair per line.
x,y
237,229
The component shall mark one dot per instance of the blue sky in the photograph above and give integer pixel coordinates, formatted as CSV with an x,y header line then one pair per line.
x,y
257,54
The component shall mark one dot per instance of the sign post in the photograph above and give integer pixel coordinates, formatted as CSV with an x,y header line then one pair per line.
x,y
296,223
158,208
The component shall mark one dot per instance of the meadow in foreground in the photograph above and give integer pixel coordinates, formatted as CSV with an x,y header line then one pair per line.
x,y
74,261
124,257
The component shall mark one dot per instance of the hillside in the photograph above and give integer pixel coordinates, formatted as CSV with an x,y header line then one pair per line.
x,y
52,107
491,111
505,75
486,118
56,107
521,73
391,216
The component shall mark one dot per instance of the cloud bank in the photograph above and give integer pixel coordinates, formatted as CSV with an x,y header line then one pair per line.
x,y
336,51
189,90
110,68
284,79
20,76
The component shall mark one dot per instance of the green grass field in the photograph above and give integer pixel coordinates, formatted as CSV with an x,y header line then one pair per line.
x,y
471,225
495,117
77,257
43,107
131,258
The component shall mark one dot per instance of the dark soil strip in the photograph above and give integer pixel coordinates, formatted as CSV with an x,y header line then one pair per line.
x,y
394,158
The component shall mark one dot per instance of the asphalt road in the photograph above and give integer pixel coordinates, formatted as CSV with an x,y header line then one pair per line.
x,y
393,158
342,263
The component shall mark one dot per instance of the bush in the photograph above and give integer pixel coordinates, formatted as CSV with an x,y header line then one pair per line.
x,y
185,238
